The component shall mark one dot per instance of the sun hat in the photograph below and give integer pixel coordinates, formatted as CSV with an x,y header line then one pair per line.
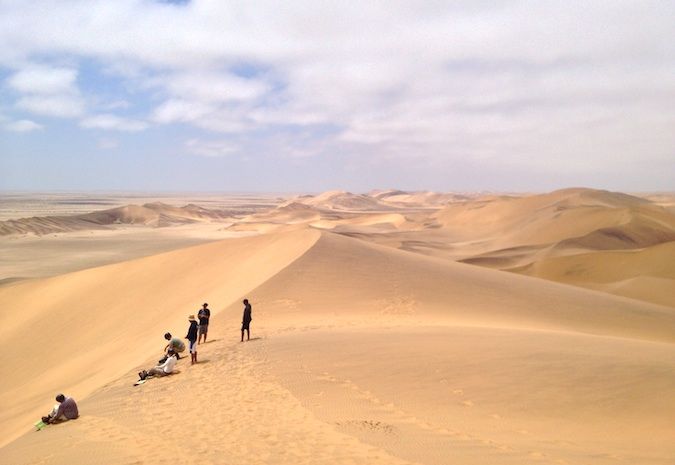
x,y
191,318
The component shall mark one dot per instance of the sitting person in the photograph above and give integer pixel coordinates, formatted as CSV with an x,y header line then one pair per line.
x,y
164,369
175,344
65,410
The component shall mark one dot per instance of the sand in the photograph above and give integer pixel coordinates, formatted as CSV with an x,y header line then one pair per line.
x,y
370,342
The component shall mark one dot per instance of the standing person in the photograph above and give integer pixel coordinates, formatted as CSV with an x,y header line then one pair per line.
x,y
192,337
203,315
246,321
65,410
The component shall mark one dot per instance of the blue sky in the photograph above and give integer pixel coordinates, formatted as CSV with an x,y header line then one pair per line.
x,y
311,96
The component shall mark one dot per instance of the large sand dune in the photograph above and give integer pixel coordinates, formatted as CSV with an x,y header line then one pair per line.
x,y
372,344
365,354
77,331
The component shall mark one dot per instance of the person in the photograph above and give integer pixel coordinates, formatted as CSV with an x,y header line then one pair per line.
x,y
203,315
175,344
65,410
246,321
192,337
164,369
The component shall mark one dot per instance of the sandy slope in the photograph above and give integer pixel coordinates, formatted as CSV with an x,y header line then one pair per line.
x,y
646,274
366,354
83,329
371,345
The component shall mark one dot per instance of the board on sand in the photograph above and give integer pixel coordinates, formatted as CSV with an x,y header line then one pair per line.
x,y
140,381
40,425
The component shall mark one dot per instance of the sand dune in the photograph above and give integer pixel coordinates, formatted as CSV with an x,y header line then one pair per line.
x,y
418,199
101,321
154,214
652,270
368,354
343,201
371,343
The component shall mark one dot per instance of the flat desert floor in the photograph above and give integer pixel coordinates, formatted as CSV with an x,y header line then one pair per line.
x,y
391,327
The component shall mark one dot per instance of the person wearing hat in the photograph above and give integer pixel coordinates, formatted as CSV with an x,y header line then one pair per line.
x,y
203,315
192,337
65,410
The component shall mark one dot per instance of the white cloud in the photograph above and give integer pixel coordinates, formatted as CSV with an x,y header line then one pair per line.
x,y
113,122
213,86
444,80
177,110
23,125
210,148
47,90
60,106
37,79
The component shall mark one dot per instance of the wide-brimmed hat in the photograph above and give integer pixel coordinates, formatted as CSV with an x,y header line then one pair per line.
x,y
191,318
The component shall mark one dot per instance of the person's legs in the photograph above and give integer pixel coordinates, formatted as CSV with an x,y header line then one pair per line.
x,y
248,334
154,371
193,352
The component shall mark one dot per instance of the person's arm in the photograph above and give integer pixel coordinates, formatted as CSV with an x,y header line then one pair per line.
x,y
59,412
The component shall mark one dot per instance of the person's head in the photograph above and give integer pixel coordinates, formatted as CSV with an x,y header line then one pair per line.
x,y
167,336
245,302
60,398
205,305
171,352
191,318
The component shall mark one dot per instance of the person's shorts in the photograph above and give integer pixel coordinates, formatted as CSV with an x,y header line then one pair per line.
x,y
203,329
193,347
245,326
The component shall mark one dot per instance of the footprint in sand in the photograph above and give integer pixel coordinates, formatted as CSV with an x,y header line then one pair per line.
x,y
468,403
458,392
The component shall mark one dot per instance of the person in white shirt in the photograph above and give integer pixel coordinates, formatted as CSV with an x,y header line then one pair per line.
x,y
164,369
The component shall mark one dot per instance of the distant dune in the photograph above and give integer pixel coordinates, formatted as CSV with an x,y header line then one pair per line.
x,y
154,214
344,201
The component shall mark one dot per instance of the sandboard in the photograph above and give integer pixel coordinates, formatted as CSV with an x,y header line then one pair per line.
x,y
40,425
140,381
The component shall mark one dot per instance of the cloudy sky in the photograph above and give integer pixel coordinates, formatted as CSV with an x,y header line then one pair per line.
x,y
312,95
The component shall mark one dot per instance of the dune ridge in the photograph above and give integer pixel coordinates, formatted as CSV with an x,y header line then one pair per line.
x,y
103,320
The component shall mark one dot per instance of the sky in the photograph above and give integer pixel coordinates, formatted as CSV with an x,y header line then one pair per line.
x,y
307,96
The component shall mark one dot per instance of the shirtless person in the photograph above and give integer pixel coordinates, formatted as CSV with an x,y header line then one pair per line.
x,y
246,321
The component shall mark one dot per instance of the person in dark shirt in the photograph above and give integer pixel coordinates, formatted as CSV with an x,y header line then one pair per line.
x,y
203,315
192,337
246,321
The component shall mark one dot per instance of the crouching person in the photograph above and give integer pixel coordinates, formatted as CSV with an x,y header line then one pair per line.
x,y
65,410
164,369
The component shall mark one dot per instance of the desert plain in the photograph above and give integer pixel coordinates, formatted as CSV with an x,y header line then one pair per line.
x,y
390,327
